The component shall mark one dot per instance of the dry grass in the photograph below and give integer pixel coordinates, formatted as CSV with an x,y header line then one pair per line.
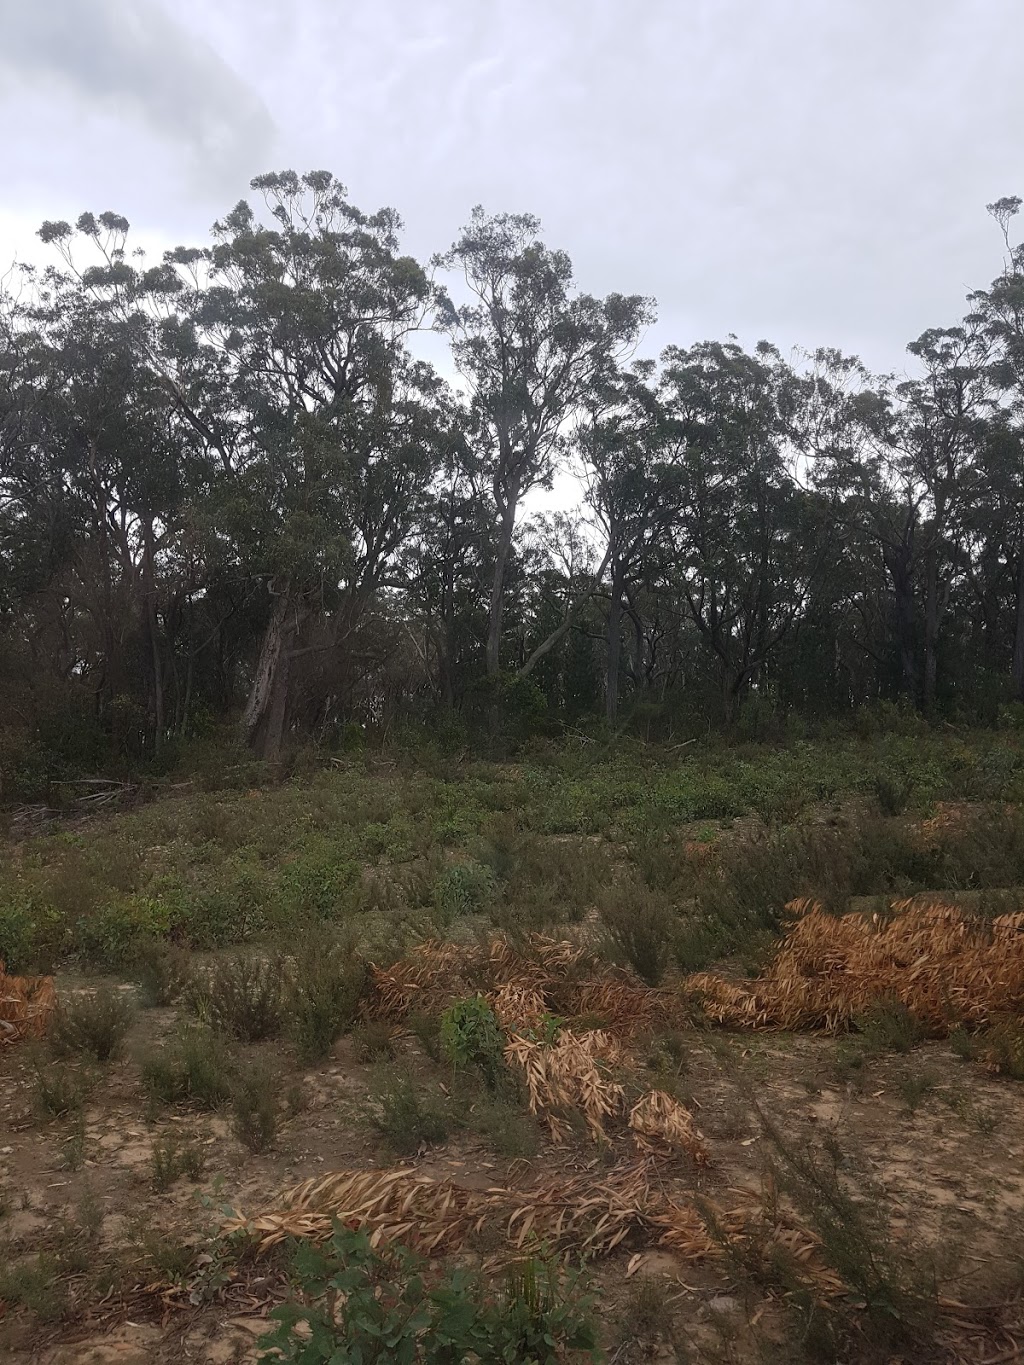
x,y
26,1006
946,967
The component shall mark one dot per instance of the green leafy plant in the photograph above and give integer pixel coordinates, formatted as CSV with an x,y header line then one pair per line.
x,y
361,1305
472,1036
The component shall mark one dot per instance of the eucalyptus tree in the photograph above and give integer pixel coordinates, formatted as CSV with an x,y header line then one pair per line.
x,y
635,486
291,363
747,543
528,347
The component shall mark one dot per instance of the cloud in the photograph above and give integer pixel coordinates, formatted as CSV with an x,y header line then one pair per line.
x,y
130,58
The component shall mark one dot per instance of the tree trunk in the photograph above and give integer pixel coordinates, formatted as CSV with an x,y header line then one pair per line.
x,y
497,605
149,590
931,627
1018,635
266,710
899,562
611,687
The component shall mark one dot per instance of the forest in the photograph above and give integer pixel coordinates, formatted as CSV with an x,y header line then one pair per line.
x,y
230,491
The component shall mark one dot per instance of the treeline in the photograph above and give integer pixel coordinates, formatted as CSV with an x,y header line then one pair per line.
x,y
228,487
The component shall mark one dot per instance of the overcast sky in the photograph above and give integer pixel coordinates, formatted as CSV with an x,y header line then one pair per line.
x,y
810,171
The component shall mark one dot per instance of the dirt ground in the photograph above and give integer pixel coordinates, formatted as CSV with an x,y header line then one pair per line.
x,y
941,1142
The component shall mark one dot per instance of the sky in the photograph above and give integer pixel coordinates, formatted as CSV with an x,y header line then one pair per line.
x,y
814,172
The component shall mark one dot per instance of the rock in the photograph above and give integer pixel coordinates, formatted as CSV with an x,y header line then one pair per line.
x,y
724,1305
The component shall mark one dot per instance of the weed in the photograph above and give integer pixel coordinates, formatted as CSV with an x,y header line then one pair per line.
x,y
326,984
36,1285
668,1054
172,1158
646,1315
889,1026
60,1089
899,1303
641,927
163,971
426,1029
915,1087
197,1069
355,1302
241,995
463,888
505,1126
73,1148
374,1041
95,1023
254,1108
893,792
1001,1047
406,1117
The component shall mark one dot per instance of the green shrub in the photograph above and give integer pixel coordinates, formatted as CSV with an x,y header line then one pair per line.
x,y
359,1305
198,1070
254,1108
163,971
406,1117
172,1158
641,928
326,983
95,1023
60,1089
472,1036
242,995
462,889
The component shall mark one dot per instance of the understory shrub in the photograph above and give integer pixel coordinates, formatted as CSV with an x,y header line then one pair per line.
x,y
358,1305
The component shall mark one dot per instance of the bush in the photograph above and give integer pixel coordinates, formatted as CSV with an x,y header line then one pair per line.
x,y
889,1026
374,1041
358,1304
173,1158
197,1070
243,996
95,1023
254,1108
163,971
326,984
641,928
60,1089
405,1117
472,1036
462,889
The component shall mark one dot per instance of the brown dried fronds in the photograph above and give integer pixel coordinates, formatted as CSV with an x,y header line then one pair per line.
x,y
583,1216
522,984
424,982
570,1073
27,1004
440,1215
661,1124
518,1008
946,966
